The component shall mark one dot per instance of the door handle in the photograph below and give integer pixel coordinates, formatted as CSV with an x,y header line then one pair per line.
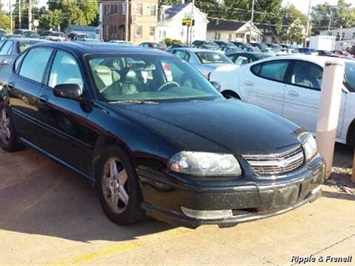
x,y
293,94
248,83
43,99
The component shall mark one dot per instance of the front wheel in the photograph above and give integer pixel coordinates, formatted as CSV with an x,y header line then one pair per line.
x,y
118,188
8,138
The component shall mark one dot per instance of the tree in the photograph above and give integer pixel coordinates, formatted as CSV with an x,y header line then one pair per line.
x,y
326,16
52,19
4,20
72,12
296,32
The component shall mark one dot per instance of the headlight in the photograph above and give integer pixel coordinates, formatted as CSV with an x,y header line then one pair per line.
x,y
205,164
309,145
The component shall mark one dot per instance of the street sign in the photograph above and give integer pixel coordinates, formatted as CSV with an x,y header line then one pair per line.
x,y
188,22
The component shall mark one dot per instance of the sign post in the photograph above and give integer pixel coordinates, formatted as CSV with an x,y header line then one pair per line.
x,y
328,113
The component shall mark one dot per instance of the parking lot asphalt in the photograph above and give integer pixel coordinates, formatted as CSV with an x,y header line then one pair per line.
x,y
50,215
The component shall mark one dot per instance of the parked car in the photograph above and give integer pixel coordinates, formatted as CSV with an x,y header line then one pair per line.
x,y
243,58
77,36
123,42
10,48
154,45
308,51
209,45
203,60
56,36
173,150
290,86
246,47
26,33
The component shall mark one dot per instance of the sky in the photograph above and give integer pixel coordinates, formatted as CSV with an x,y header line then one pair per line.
x,y
303,5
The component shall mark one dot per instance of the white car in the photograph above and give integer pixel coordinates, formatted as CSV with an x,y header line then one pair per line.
x,y
290,86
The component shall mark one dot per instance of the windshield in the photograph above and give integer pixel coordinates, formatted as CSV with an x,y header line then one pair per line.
x,y
207,57
350,76
144,77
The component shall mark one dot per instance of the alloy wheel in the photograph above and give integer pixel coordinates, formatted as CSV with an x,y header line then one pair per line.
x,y
114,185
5,130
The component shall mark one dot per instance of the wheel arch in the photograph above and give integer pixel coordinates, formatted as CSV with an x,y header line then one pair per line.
x,y
230,94
350,136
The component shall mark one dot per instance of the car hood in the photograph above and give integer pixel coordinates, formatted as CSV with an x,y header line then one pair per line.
x,y
216,126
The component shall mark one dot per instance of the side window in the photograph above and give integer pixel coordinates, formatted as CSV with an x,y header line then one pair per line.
x,y
274,70
35,63
307,75
182,55
65,70
6,48
18,62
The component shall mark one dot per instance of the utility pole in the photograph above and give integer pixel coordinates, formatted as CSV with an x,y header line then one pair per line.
x,y
127,21
192,19
252,11
30,14
19,15
10,10
308,22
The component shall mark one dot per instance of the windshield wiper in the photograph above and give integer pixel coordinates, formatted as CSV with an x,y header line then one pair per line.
x,y
135,102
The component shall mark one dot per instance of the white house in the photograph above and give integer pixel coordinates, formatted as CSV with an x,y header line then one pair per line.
x,y
171,26
230,30
345,37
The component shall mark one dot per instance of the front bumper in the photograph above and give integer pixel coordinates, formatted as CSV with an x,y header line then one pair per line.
x,y
192,205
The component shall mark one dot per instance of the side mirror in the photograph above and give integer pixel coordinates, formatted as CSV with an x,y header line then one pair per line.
x,y
216,85
69,91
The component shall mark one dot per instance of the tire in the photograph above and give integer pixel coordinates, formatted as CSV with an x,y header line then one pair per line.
x,y
8,137
113,168
230,95
351,137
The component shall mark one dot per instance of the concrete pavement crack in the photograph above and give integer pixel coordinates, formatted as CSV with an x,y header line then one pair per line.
x,y
330,246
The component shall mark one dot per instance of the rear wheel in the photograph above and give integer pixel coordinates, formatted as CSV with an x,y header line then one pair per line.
x,y
118,188
8,138
350,140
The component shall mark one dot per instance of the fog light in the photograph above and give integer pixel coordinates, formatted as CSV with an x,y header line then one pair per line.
x,y
207,215
316,190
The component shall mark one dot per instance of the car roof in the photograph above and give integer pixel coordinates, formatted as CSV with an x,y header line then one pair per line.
x,y
99,48
194,49
320,60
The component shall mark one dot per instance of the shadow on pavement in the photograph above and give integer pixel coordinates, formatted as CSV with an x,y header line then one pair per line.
x,y
38,196
339,185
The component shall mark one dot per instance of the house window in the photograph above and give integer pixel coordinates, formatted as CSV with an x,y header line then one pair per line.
x,y
343,35
330,33
230,37
153,10
139,30
123,5
139,9
115,9
217,35
353,35
151,31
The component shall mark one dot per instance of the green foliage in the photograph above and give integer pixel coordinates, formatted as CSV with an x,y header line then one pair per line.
x,y
72,12
52,19
296,32
169,41
326,16
5,22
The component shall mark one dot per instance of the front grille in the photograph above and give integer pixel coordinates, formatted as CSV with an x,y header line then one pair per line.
x,y
274,164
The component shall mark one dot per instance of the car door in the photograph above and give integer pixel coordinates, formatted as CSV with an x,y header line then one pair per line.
x,y
23,89
263,84
302,95
64,132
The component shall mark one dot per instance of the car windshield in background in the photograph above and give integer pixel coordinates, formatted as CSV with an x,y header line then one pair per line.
x,y
350,76
213,58
148,78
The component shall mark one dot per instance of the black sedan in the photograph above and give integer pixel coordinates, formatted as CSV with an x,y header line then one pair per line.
x,y
155,137
243,58
10,48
